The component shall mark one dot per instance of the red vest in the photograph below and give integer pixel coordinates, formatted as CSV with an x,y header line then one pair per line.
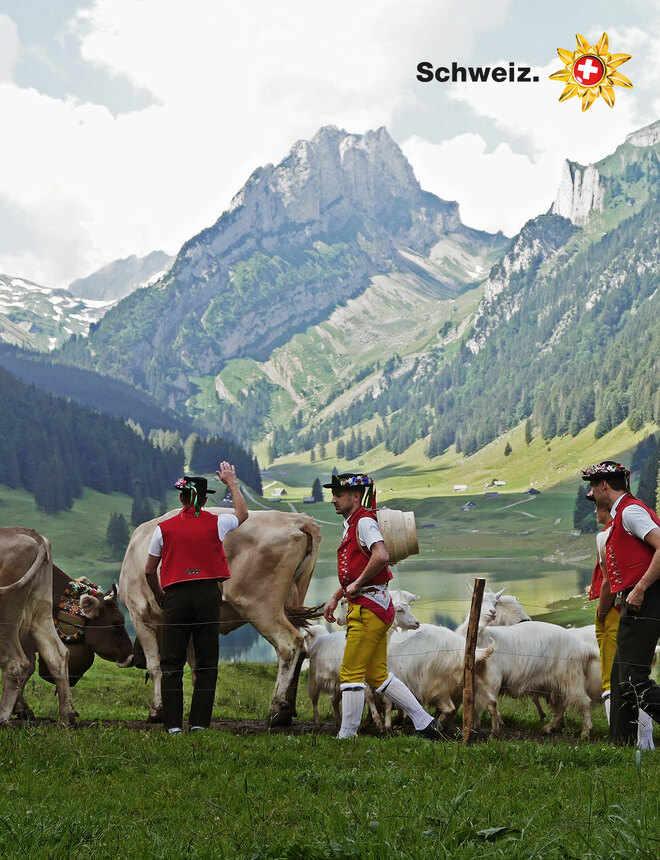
x,y
192,549
627,557
352,558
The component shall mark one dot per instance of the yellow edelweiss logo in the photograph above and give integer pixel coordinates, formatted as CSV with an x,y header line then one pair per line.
x,y
591,72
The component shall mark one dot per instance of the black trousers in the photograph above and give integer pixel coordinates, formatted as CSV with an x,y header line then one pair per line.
x,y
632,688
190,609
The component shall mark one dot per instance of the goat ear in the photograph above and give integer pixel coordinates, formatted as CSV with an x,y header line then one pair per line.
x,y
90,606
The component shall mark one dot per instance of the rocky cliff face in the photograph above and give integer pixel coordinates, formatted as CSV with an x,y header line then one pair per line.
x,y
299,238
324,186
580,193
538,241
647,136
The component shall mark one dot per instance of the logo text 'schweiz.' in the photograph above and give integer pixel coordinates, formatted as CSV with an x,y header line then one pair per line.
x,y
426,72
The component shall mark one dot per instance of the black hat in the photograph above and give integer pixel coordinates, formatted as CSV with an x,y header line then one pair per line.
x,y
199,485
349,481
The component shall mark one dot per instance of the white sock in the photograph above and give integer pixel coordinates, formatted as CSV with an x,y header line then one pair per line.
x,y
645,731
352,705
397,692
606,703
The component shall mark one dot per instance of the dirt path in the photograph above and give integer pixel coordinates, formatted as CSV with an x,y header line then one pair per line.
x,y
302,727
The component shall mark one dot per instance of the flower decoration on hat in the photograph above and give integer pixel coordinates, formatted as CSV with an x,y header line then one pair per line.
x,y
187,484
354,480
607,468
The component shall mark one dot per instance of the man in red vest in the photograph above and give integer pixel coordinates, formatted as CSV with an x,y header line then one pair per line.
x,y
632,557
193,565
363,576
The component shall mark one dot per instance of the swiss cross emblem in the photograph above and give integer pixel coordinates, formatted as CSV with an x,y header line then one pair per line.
x,y
589,71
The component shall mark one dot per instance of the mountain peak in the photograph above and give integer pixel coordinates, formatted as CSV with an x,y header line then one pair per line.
x,y
647,136
363,170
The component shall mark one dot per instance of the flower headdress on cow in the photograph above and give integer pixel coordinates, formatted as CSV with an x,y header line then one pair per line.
x,y
197,487
348,480
608,468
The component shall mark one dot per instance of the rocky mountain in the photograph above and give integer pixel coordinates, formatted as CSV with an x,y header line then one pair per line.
x,y
121,277
336,300
596,198
300,239
42,318
568,330
581,192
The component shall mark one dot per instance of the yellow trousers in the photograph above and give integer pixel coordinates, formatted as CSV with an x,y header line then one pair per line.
x,y
606,638
365,656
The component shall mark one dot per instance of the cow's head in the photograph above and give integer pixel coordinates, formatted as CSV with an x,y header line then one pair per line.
x,y
105,633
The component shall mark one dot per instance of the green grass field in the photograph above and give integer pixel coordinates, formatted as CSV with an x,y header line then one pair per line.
x,y
111,791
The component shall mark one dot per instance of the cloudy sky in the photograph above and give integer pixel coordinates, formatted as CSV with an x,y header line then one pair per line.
x,y
128,125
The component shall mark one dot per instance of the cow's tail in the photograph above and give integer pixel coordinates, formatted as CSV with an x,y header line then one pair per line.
x,y
305,569
302,616
43,556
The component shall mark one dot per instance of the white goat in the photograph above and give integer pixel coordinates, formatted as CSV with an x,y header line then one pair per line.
x,y
539,659
430,662
326,650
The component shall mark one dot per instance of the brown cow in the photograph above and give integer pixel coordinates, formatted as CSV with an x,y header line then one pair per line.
x,y
271,559
26,606
101,630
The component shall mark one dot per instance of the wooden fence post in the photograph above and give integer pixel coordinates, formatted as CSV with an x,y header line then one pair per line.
x,y
470,648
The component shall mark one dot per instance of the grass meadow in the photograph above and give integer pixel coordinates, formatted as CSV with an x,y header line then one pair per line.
x,y
110,789
119,792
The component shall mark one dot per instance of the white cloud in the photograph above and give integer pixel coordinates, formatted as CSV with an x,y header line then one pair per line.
x,y
497,190
234,86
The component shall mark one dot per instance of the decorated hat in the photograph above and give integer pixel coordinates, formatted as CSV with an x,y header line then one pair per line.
x,y
603,470
351,481
199,485
348,480
590,496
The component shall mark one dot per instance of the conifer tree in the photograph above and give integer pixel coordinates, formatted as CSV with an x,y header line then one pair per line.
x,y
117,535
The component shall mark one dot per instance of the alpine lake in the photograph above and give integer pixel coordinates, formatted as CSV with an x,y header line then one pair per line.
x,y
525,544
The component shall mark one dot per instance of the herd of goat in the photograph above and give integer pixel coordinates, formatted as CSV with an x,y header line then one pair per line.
x,y
533,659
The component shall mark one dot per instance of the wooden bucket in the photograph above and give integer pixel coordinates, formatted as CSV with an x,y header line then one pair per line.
x,y
399,533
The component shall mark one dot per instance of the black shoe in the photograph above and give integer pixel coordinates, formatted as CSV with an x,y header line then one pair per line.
x,y
431,732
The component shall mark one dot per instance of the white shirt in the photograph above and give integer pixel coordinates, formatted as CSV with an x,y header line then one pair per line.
x,y
226,523
367,531
636,520
601,539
